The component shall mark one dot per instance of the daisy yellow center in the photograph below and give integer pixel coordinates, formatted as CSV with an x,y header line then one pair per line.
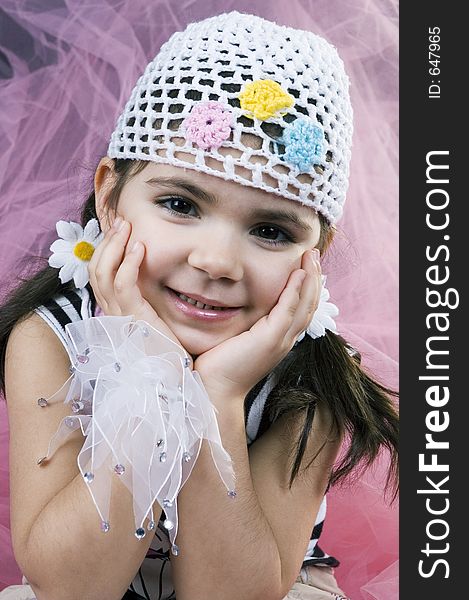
x,y
84,251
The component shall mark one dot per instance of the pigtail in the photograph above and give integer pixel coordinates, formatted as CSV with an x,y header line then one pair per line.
x,y
327,370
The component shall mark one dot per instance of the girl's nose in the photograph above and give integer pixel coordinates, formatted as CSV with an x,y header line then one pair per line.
x,y
218,256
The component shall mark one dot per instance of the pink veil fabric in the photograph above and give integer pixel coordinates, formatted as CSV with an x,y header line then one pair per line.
x,y
67,68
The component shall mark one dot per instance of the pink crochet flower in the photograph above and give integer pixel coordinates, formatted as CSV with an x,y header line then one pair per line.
x,y
208,125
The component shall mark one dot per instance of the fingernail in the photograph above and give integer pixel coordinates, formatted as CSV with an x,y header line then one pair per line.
x,y
135,247
118,224
315,254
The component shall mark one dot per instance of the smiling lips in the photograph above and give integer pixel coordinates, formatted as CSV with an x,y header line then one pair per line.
x,y
194,307
201,301
199,304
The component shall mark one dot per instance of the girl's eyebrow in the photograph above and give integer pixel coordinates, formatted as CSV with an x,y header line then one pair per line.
x,y
286,216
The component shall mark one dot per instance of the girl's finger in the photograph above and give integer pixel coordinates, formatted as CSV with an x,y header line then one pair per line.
x,y
107,236
92,266
309,295
108,264
126,290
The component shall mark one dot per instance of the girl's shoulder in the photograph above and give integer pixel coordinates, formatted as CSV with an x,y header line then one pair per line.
x,y
37,355
66,307
32,343
40,337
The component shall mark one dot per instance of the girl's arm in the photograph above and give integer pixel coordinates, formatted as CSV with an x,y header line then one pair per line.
x,y
250,547
55,526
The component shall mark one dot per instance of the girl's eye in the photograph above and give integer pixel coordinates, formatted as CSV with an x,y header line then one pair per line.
x,y
181,207
272,232
178,206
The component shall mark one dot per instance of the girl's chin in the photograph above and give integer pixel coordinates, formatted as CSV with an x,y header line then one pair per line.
x,y
195,350
197,345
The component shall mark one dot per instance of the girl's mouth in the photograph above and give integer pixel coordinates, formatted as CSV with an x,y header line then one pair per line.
x,y
197,310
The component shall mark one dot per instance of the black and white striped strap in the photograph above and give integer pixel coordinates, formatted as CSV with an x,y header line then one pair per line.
x,y
64,308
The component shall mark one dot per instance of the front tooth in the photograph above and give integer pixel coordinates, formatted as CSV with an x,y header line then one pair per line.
x,y
198,304
187,299
193,302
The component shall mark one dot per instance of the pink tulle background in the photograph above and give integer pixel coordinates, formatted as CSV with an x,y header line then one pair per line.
x,y
68,68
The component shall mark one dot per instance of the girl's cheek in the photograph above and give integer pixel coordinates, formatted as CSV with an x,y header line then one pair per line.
x,y
270,286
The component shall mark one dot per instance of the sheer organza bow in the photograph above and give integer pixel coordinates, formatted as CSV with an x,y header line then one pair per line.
x,y
144,414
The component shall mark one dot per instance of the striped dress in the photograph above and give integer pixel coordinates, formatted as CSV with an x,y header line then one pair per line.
x,y
153,580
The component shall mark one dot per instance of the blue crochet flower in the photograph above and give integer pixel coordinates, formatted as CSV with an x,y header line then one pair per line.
x,y
304,144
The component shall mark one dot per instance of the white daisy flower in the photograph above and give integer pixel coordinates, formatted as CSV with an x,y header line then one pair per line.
x,y
323,317
73,252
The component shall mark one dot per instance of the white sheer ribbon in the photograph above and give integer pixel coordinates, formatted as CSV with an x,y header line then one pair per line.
x,y
144,414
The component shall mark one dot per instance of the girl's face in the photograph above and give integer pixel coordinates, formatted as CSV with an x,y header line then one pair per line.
x,y
230,244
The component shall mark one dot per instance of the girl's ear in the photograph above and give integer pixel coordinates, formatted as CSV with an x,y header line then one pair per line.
x,y
104,181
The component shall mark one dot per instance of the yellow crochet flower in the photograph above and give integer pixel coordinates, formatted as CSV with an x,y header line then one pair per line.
x,y
263,98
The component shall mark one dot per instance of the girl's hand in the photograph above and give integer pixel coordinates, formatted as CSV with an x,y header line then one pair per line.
x,y
113,270
232,368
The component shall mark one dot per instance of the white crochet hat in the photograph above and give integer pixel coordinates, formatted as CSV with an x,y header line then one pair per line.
x,y
236,74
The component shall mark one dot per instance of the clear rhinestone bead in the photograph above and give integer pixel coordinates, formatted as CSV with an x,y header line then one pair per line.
x,y
70,422
42,402
167,503
175,549
180,387
88,477
163,457
140,533
119,469
145,331
77,406
187,361
117,367
71,369
105,527
151,525
168,524
186,457
82,359
232,494
41,460
159,443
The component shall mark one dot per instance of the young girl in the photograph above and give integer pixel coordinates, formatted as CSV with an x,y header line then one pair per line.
x,y
184,329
